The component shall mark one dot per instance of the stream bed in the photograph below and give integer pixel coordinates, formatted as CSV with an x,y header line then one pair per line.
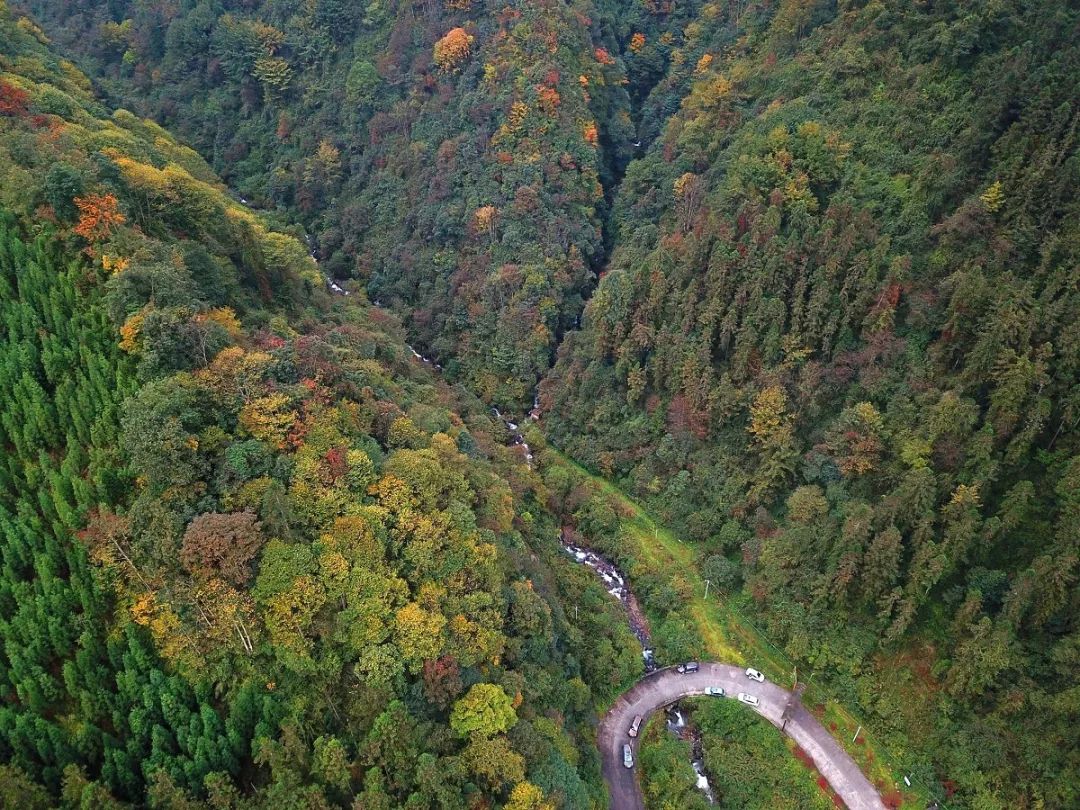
x,y
681,725
516,437
617,586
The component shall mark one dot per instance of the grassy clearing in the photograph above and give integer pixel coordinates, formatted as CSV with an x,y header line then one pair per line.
x,y
730,636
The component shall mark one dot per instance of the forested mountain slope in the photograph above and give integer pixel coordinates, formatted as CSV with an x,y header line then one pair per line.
x,y
253,554
458,157
447,154
835,341
838,346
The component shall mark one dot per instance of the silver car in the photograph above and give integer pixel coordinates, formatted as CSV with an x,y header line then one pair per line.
x,y
715,691
627,756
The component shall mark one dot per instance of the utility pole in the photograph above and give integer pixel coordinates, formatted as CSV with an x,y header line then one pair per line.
x,y
706,589
853,739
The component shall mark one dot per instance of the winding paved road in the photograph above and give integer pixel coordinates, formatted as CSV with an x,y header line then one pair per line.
x,y
665,686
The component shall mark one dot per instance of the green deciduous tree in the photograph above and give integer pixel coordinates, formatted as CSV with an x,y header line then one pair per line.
x,y
484,711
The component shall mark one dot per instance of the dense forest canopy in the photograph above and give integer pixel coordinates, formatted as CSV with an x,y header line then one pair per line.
x,y
837,345
253,554
458,157
449,157
802,276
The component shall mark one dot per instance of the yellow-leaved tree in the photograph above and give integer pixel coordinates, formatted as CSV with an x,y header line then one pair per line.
x,y
268,418
774,439
527,796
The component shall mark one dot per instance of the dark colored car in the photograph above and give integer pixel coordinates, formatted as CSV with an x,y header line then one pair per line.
x,y
689,666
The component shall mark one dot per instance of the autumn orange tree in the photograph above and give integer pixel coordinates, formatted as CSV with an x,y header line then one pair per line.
x,y
99,215
453,49
13,100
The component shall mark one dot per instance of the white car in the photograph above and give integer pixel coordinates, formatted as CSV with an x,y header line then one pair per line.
x,y
749,700
754,675
715,691
627,756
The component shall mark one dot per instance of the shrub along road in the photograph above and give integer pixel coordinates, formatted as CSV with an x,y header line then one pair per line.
x,y
666,686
